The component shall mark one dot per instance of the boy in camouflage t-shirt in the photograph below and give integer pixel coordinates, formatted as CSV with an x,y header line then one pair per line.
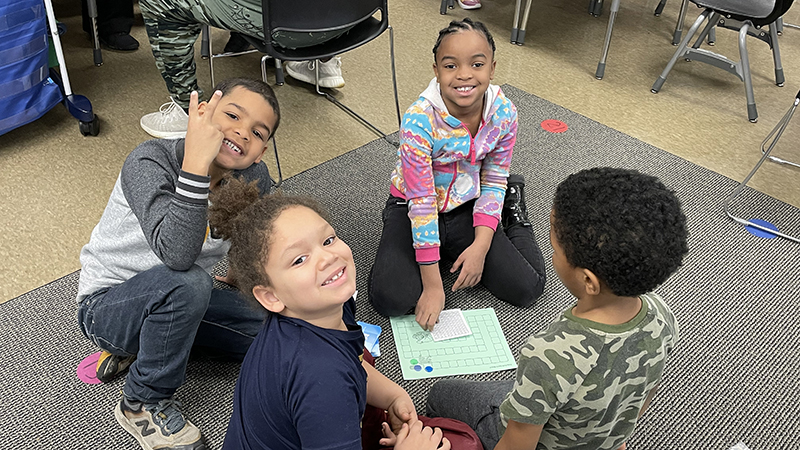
x,y
584,381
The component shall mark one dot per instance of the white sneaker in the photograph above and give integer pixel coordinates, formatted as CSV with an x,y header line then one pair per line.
x,y
330,73
169,122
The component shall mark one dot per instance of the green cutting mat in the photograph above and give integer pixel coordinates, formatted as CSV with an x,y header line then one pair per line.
x,y
485,350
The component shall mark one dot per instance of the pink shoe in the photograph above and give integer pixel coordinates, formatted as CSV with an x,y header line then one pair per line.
x,y
469,4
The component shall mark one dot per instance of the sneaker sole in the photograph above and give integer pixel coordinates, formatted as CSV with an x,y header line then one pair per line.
x,y
123,421
329,82
163,134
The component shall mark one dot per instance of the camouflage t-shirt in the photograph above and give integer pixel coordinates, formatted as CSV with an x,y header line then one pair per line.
x,y
587,381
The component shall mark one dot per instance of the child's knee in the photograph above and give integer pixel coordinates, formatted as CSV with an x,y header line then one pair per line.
x,y
192,291
525,294
389,304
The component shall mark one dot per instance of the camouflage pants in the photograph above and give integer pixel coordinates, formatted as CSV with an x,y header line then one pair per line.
x,y
173,27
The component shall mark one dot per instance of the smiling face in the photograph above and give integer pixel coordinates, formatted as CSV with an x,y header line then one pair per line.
x,y
247,121
311,270
464,67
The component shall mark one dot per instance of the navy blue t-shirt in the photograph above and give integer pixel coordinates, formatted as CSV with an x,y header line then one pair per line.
x,y
300,387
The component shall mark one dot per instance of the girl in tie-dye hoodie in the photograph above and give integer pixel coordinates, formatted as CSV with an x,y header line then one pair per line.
x,y
451,189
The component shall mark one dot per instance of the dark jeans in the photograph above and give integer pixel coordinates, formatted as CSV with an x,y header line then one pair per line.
x,y
476,403
159,315
513,270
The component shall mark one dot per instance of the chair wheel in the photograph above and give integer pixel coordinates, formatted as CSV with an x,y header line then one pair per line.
x,y
90,128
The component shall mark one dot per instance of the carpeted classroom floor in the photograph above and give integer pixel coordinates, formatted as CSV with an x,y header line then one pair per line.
x,y
733,377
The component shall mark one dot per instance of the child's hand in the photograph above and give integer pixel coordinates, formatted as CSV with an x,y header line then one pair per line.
x,y
429,305
470,261
203,137
417,437
401,411
229,279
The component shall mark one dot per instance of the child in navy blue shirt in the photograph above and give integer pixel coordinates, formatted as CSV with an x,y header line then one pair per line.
x,y
304,383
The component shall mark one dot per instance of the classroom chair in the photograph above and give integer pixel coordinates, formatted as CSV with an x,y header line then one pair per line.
x,y
745,16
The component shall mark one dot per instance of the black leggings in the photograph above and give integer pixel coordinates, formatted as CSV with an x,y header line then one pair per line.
x,y
513,270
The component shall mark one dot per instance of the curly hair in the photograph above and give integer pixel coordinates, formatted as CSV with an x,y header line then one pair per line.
x,y
256,86
624,226
237,213
457,26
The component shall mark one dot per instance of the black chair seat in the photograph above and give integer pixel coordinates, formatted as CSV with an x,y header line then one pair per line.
x,y
365,31
746,8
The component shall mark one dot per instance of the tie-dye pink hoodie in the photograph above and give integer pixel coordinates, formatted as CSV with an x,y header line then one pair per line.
x,y
440,166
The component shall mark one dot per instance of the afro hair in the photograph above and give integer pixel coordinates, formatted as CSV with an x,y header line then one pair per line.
x,y
624,226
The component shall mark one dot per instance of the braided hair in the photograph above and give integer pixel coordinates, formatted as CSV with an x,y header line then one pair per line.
x,y
457,26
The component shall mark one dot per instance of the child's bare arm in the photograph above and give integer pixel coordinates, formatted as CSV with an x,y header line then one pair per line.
x,y
647,401
520,436
431,302
471,260
385,394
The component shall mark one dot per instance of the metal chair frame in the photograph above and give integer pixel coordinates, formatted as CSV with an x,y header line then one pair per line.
x,y
766,149
739,68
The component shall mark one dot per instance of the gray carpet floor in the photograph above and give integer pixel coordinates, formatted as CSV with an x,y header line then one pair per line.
x,y
735,375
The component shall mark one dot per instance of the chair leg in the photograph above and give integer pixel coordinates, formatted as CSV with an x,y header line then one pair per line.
x,y
279,79
264,68
97,54
207,31
766,148
676,36
394,78
712,22
601,66
682,49
443,7
278,164
205,49
524,24
515,26
596,7
660,8
344,107
776,54
752,113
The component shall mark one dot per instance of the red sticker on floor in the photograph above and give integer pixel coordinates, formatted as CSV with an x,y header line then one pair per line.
x,y
87,369
554,126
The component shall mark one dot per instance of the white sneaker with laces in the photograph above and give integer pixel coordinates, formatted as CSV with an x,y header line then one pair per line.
x,y
169,122
330,73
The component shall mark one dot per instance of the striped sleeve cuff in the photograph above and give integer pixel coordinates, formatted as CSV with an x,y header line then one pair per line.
x,y
192,188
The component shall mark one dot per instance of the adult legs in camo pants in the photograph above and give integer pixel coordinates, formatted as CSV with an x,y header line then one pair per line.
x,y
174,25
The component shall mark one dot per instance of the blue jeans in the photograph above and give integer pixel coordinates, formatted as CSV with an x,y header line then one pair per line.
x,y
159,315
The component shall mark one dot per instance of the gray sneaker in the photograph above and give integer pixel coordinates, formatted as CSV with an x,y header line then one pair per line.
x,y
159,425
330,72
169,122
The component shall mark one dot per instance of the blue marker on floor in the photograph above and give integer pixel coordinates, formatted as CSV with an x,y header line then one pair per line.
x,y
761,233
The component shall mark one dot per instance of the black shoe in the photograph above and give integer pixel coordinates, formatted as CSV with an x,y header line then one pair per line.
x,y
514,210
237,43
122,42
